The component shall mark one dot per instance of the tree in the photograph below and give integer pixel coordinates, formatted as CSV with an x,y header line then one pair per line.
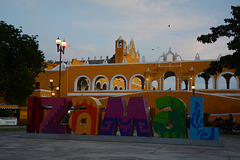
x,y
230,30
20,64
6,113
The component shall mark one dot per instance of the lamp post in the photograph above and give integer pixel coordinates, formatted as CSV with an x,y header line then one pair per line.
x,y
191,78
147,83
193,90
60,48
51,85
57,88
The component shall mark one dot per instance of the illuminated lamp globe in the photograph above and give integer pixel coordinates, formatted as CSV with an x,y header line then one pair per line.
x,y
58,41
193,87
64,43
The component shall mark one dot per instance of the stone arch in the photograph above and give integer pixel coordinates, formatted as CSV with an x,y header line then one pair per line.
x,y
141,77
154,85
168,74
169,85
95,80
207,81
227,76
118,76
104,86
233,83
120,88
115,87
185,84
98,86
82,83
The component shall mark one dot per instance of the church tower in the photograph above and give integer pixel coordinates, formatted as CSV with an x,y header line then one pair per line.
x,y
120,50
126,53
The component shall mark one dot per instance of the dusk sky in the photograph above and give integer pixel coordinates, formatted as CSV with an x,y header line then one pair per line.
x,y
91,26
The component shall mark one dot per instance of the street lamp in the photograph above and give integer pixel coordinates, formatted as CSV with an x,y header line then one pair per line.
x,y
57,88
193,90
60,48
51,85
147,83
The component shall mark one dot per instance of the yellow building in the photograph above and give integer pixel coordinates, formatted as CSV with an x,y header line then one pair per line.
x,y
124,75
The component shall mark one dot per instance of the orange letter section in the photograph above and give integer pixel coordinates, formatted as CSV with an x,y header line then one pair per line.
x,y
87,118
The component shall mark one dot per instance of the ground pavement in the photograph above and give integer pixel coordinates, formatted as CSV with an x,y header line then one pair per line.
x,y
14,146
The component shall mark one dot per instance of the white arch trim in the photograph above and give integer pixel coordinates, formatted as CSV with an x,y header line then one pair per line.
x,y
237,82
135,75
211,77
118,75
99,76
76,82
169,71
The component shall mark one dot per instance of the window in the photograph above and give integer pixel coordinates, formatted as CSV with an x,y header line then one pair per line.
x,y
119,44
37,85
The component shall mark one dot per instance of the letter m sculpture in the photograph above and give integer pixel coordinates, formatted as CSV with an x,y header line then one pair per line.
x,y
127,117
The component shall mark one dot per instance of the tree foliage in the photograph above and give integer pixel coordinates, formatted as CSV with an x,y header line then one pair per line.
x,y
231,30
21,62
6,113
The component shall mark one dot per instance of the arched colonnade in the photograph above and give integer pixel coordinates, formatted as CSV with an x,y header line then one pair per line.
x,y
168,81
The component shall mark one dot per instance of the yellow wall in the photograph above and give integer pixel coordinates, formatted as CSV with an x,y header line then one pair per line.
x,y
44,79
50,66
76,62
23,113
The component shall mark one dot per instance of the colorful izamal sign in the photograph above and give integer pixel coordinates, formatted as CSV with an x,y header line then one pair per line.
x,y
87,119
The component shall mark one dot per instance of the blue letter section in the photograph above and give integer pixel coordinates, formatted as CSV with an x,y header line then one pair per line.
x,y
197,129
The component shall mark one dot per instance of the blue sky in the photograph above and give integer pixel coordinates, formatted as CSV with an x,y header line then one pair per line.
x,y
91,26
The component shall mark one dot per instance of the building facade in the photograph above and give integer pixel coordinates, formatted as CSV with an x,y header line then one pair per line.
x,y
124,75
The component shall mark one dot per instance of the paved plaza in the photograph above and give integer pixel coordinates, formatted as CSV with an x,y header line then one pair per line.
x,y
13,145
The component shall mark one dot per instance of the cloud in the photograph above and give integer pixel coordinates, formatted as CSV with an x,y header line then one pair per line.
x,y
72,51
145,19
29,4
81,51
